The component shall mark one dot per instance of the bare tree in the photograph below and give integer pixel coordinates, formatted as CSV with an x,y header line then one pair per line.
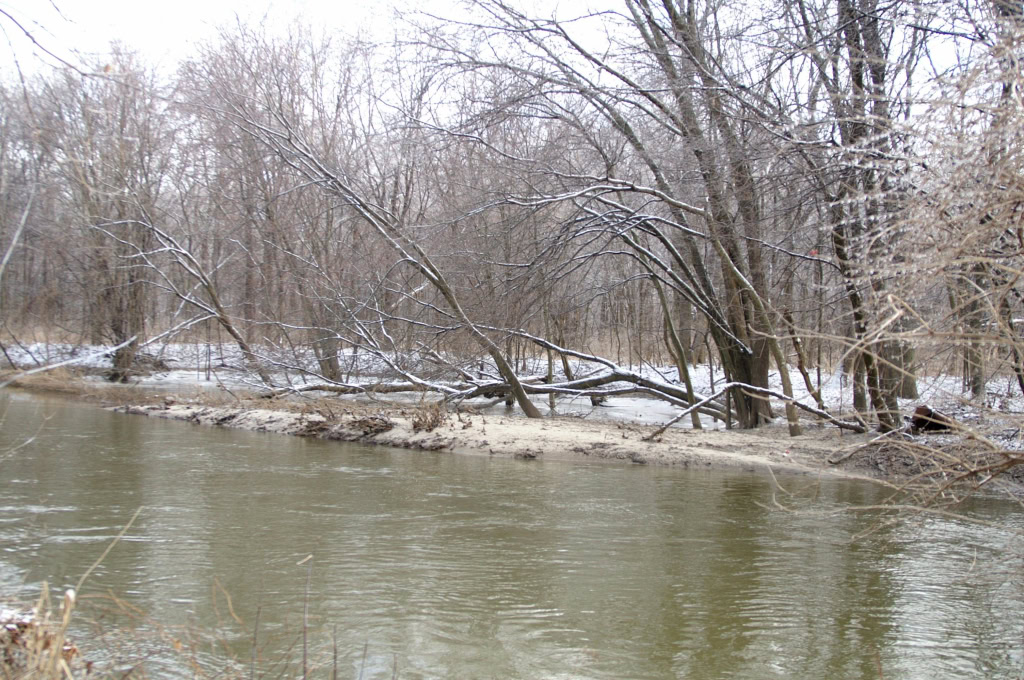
x,y
108,140
663,86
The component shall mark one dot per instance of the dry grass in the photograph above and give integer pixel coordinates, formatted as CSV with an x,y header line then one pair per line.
x,y
68,382
429,416
35,644
426,415
60,380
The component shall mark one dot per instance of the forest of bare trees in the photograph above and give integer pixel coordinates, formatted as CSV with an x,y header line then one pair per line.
x,y
515,203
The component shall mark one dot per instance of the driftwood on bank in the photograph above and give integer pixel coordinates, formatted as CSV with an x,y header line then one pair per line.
x,y
594,386
591,386
841,424
335,388
588,387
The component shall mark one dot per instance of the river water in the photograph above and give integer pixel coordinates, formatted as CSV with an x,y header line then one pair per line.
x,y
429,565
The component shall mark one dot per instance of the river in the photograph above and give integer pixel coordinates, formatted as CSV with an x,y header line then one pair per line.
x,y
430,565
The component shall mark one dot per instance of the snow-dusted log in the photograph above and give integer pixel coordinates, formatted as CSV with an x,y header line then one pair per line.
x,y
376,388
841,424
613,373
672,392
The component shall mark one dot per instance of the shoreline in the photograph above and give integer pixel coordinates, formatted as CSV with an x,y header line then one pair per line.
x,y
555,438
429,428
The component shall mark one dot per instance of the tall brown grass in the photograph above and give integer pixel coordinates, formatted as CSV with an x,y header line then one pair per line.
x,y
34,645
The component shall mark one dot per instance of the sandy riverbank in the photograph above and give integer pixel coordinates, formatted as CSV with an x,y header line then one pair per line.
x,y
616,434
616,431
556,438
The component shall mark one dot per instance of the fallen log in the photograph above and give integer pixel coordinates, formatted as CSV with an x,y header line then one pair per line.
x,y
376,388
927,419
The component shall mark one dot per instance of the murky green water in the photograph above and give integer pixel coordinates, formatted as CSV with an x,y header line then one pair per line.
x,y
438,566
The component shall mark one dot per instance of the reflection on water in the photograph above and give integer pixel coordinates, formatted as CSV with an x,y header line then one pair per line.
x,y
460,567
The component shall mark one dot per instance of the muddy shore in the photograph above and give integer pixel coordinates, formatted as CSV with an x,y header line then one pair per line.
x,y
555,438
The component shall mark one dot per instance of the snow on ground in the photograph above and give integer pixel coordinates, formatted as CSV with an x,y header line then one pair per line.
x,y
181,367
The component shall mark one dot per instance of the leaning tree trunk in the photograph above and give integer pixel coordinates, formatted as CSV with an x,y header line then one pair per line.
x,y
887,418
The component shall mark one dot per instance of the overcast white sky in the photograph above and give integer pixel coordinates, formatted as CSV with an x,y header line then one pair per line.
x,y
166,30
